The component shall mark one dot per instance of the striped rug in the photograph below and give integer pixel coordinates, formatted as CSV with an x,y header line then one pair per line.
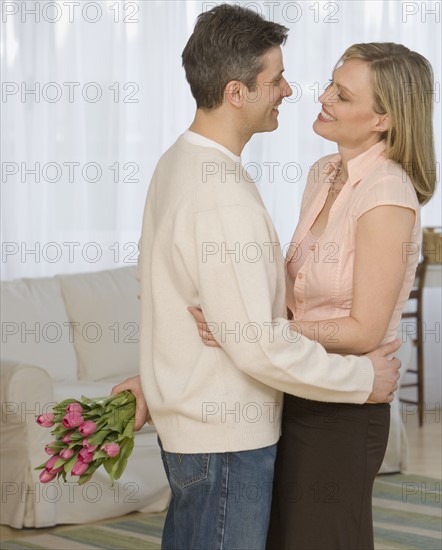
x,y
407,516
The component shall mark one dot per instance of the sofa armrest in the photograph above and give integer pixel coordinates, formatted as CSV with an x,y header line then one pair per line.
x,y
24,383
26,392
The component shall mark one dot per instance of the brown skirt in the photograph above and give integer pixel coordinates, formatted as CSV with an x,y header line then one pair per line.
x,y
327,459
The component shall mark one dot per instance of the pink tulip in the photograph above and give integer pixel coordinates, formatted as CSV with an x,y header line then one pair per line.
x,y
51,462
87,428
50,465
85,456
66,454
79,468
72,421
46,420
46,477
67,438
90,448
75,409
111,449
49,450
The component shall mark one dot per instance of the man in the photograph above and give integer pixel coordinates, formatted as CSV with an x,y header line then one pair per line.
x,y
208,240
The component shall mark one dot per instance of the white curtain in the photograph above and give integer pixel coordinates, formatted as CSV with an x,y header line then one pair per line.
x,y
110,97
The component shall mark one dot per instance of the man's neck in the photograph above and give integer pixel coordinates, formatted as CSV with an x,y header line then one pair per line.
x,y
218,126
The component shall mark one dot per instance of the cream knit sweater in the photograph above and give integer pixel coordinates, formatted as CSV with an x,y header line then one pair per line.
x,y
208,240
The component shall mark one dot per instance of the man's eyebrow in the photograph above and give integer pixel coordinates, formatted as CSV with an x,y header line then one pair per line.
x,y
279,74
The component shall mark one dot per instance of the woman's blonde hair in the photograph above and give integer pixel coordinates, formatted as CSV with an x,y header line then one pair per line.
x,y
403,88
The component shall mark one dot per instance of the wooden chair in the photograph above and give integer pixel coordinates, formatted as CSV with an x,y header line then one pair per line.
x,y
416,295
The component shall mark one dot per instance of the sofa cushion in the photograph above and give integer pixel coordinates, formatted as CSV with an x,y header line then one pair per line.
x,y
104,308
35,327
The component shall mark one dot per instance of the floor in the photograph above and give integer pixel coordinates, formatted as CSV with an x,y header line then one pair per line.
x,y
425,458
425,444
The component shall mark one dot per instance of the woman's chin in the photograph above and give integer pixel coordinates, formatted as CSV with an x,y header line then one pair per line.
x,y
318,128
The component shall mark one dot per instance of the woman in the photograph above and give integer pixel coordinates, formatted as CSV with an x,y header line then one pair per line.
x,y
350,269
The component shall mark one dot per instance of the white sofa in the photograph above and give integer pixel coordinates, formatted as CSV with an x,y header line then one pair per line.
x,y
68,336
74,335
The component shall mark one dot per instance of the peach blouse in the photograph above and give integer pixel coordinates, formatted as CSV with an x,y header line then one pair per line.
x,y
323,287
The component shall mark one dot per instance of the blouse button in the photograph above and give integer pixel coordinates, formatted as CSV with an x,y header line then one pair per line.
x,y
299,275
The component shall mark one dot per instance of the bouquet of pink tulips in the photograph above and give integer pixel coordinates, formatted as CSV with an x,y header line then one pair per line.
x,y
89,433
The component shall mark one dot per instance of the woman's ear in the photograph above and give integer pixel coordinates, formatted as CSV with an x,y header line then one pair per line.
x,y
233,93
382,124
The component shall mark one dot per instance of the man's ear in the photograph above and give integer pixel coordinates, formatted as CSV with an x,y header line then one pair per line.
x,y
233,93
382,124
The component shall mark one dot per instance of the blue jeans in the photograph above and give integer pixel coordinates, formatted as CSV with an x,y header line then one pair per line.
x,y
220,501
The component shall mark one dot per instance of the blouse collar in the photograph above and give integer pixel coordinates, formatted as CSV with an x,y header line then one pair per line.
x,y
365,163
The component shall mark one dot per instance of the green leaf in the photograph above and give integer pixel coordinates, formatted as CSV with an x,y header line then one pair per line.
x,y
121,418
58,444
84,479
110,464
95,412
98,437
76,436
93,466
60,431
58,463
70,464
129,429
63,404
115,466
120,469
123,462
87,400
100,454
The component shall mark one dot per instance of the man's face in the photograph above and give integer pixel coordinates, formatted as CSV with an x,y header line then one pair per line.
x,y
261,104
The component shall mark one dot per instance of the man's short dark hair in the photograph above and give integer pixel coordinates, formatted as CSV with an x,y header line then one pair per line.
x,y
228,43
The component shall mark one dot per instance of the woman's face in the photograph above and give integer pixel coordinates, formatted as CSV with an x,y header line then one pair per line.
x,y
347,115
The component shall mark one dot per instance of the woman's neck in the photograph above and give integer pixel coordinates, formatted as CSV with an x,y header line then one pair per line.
x,y
349,153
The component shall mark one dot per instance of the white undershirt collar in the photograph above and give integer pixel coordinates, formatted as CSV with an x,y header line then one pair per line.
x,y
198,139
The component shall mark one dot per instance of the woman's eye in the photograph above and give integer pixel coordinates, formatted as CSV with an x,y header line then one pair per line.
x,y
339,96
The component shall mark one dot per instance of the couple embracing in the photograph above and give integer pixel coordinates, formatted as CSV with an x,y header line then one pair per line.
x,y
219,385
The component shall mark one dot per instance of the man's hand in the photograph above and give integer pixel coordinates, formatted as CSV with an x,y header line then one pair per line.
x,y
203,329
386,373
141,412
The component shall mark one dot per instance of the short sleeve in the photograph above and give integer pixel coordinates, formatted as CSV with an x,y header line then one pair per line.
x,y
387,190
